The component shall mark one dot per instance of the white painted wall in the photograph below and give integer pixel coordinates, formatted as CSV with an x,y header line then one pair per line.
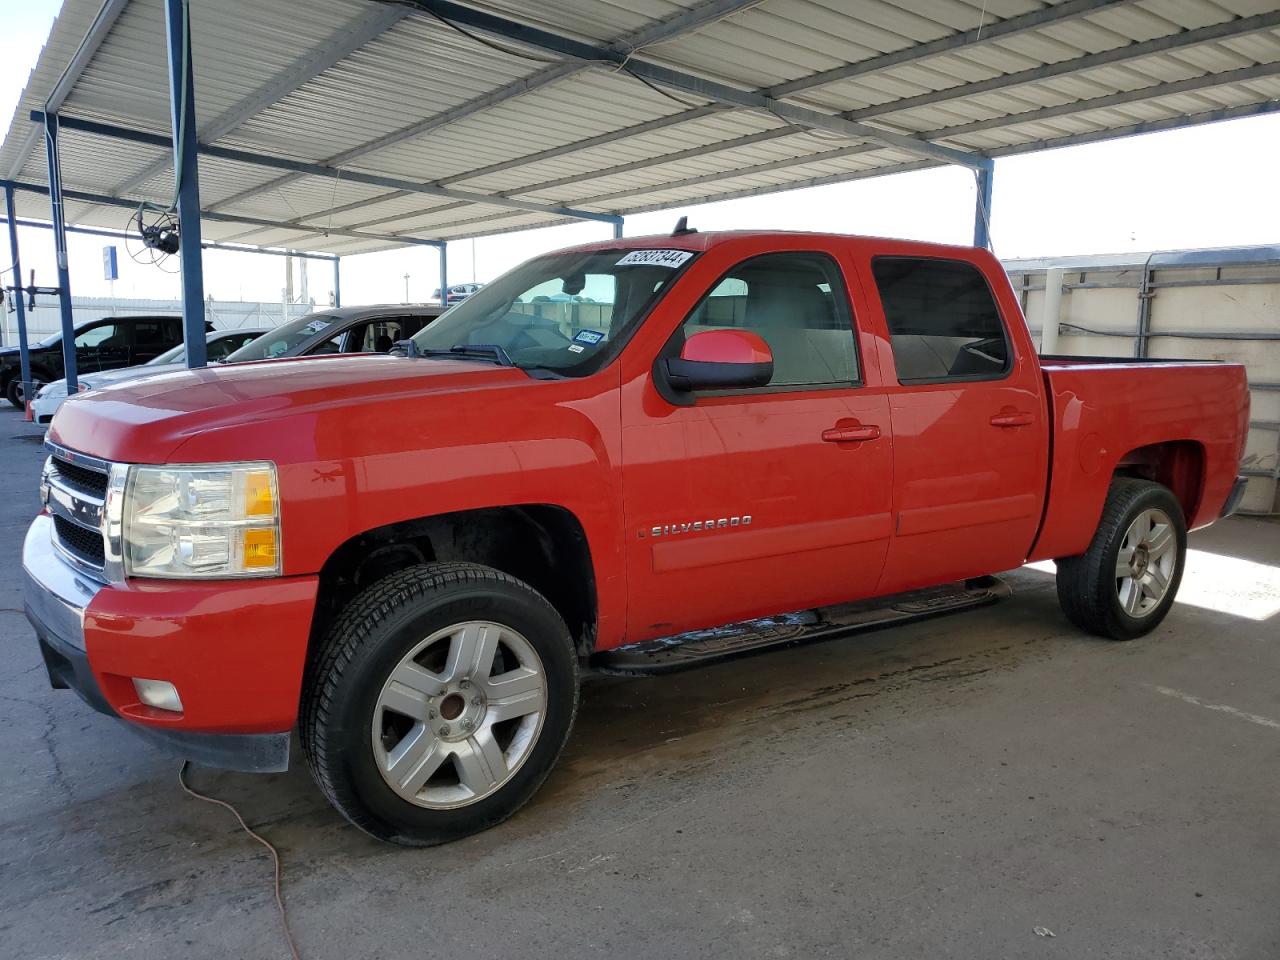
x,y
1101,294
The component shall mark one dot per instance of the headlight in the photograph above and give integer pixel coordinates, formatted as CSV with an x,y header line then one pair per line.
x,y
212,520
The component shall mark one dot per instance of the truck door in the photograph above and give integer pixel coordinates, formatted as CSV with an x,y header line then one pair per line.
x,y
969,424
766,500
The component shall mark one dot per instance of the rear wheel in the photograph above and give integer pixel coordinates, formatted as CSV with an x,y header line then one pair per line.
x,y
1125,583
440,702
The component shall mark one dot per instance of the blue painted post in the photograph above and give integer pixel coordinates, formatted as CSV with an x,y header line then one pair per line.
x,y
24,357
444,275
60,251
182,118
982,209
617,229
337,281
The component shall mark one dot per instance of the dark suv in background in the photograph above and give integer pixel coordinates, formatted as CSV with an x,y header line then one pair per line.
x,y
100,345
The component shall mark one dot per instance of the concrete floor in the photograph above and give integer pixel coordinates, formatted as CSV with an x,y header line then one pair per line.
x,y
934,791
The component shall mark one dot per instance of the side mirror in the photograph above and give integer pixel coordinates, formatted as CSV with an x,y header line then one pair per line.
x,y
403,348
720,360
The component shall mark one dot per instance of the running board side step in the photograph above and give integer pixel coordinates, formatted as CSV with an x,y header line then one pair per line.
x,y
699,647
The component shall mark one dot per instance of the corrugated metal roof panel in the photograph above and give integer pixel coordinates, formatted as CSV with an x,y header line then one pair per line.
x,y
394,92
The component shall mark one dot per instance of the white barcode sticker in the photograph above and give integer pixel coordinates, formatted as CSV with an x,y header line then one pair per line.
x,y
657,258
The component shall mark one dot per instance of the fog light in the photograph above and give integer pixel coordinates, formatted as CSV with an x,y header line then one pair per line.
x,y
158,693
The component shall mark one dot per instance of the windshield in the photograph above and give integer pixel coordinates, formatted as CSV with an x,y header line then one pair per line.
x,y
284,339
559,312
50,340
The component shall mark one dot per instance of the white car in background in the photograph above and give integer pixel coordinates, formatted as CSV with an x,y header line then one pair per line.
x,y
458,292
218,345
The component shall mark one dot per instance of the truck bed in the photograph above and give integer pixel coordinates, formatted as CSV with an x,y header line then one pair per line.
x,y
1181,422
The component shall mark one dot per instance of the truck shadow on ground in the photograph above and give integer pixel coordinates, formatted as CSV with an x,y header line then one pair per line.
x,y
634,740
630,729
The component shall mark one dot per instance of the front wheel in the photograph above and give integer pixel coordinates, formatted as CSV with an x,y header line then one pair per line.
x,y
1125,583
13,393
440,702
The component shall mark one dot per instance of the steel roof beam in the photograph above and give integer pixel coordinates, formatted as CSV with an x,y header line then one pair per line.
x,y
760,137
205,244
613,136
345,41
1069,66
1093,136
687,20
1132,51
315,229
319,170
1173,88
98,30
1044,17
1047,16
712,90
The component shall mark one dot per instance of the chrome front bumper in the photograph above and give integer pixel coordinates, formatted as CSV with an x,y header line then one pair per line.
x,y
55,596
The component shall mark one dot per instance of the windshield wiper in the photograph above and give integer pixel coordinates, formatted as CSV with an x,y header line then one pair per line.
x,y
470,351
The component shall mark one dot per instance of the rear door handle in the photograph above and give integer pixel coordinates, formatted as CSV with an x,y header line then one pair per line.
x,y
851,434
1018,419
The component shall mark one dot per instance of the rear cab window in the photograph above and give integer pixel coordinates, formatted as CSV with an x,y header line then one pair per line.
x,y
944,324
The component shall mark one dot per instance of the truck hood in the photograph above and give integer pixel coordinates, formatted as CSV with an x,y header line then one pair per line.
x,y
145,420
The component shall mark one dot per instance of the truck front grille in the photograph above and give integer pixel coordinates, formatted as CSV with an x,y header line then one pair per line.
x,y
82,479
80,542
77,499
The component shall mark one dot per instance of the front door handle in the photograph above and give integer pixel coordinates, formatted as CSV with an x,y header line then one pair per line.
x,y
854,433
1016,419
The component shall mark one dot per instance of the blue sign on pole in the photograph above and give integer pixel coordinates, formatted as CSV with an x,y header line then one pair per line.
x,y
110,266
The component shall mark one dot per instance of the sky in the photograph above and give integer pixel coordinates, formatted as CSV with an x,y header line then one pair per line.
x,y
1207,186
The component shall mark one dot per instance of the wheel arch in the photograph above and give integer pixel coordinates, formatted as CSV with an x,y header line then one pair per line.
x,y
545,545
1176,464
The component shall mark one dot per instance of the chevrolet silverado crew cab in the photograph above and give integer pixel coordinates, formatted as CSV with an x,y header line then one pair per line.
x,y
629,456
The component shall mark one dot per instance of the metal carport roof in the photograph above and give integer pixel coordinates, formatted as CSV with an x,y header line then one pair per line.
x,y
345,126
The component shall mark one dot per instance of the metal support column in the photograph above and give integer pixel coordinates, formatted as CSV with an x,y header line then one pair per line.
x,y
182,117
24,357
60,251
337,281
1145,296
982,209
617,229
444,274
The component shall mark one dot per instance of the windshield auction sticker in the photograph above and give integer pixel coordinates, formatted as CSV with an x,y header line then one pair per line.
x,y
657,258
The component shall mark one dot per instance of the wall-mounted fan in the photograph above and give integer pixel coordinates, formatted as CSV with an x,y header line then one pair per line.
x,y
152,236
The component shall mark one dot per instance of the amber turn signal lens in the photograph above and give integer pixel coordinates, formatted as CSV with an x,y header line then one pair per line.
x,y
259,549
259,497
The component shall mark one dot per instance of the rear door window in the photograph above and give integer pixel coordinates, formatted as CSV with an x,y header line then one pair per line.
x,y
943,320
150,335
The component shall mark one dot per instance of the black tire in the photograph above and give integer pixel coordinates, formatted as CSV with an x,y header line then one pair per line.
x,y
1087,584
380,627
11,392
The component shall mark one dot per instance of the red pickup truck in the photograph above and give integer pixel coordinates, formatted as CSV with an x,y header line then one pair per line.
x,y
629,456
